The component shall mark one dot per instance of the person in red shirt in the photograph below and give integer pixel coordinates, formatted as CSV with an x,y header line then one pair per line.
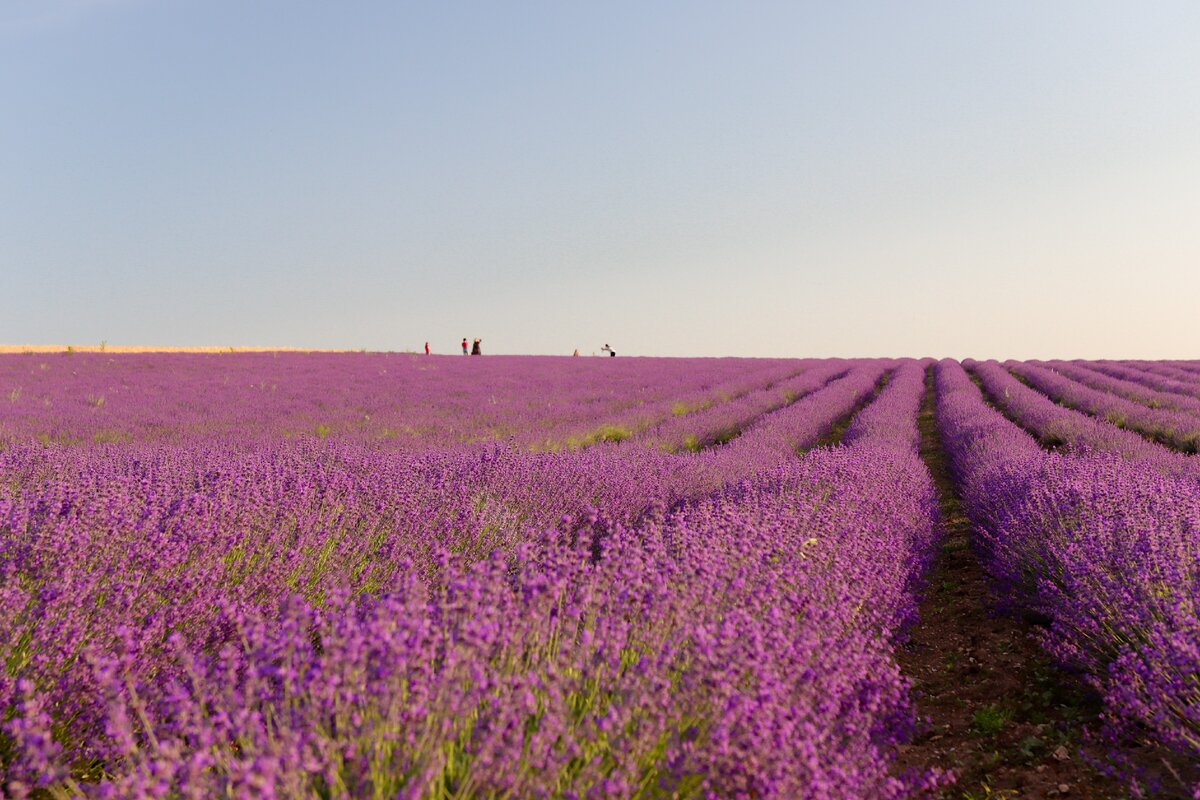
x,y
464,345
427,348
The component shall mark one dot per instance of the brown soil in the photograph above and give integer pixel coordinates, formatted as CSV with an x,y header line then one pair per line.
x,y
993,708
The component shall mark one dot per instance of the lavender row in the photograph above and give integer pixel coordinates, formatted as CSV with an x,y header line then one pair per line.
x,y
1168,369
1176,429
1129,389
1188,367
1169,390
889,425
636,421
1057,426
721,423
1104,547
892,418
797,427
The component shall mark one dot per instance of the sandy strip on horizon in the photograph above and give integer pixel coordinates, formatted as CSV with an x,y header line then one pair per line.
x,y
116,348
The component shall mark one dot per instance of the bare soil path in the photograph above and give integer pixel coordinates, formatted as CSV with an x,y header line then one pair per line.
x,y
995,710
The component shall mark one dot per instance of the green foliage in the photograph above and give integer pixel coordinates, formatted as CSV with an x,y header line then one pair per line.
x,y
986,792
614,433
111,437
991,719
1031,746
605,433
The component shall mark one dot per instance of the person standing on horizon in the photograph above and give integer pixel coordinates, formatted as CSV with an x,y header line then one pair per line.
x,y
609,350
476,350
427,348
464,345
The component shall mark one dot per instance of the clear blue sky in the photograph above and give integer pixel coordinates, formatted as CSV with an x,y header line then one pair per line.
x,y
908,178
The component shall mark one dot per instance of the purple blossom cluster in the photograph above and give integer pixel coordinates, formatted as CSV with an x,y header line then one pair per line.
x,y
1106,548
221,602
1175,428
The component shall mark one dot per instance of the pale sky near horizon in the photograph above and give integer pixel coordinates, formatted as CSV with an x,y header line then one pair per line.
x,y
1012,180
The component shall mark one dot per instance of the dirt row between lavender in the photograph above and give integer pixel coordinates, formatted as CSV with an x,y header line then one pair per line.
x,y
994,709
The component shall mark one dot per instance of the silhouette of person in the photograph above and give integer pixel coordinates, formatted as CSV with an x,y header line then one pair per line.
x,y
607,349
427,348
576,352
476,350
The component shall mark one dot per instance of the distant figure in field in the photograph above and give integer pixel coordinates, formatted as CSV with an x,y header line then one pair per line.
x,y
609,350
576,352
476,350
464,345
427,348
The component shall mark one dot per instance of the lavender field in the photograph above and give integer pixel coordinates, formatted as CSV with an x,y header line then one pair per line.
x,y
353,575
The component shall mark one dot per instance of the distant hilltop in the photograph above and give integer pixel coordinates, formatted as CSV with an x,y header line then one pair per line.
x,y
114,348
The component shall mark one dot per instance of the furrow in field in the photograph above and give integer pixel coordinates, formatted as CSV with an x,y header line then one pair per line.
x,y
993,708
